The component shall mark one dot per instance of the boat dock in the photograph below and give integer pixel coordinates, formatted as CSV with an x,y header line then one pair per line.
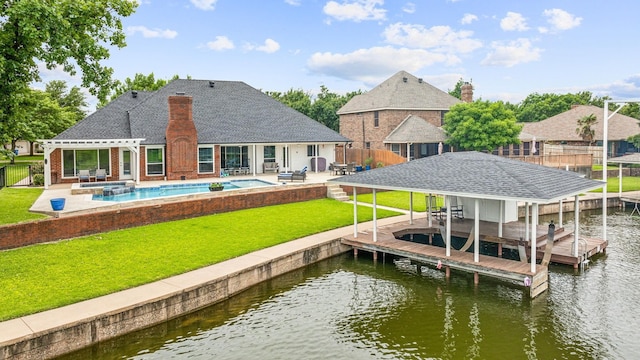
x,y
517,271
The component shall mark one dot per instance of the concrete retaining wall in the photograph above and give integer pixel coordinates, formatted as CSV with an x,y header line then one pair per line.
x,y
230,280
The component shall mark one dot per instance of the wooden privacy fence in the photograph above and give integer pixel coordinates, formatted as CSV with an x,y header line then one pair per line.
x,y
573,161
359,156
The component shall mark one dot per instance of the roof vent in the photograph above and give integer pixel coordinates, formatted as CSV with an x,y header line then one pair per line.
x,y
180,93
420,80
404,79
134,94
212,84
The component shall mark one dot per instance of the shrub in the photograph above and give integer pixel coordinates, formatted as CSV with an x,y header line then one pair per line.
x,y
38,179
37,168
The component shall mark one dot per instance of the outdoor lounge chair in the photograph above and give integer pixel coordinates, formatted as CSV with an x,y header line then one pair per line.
x,y
296,175
84,175
101,174
456,210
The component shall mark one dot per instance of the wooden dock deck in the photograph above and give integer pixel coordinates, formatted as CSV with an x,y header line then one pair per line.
x,y
518,272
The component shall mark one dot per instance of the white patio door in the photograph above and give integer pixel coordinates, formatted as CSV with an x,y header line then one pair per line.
x,y
126,164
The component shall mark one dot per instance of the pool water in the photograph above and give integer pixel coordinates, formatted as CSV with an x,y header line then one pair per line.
x,y
179,189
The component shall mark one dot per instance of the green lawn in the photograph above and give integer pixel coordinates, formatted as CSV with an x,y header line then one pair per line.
x,y
41,277
399,200
629,183
16,203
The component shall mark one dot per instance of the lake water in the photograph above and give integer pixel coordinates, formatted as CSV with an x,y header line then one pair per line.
x,y
346,308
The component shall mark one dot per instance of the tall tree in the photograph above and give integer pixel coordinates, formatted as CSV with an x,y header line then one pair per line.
x,y
481,126
139,82
73,101
326,105
585,127
296,99
457,90
75,35
537,107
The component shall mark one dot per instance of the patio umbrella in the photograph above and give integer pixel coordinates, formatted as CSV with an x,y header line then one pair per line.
x,y
440,147
533,145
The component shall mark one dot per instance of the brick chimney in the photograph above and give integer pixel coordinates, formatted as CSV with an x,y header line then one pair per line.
x,y
466,92
182,140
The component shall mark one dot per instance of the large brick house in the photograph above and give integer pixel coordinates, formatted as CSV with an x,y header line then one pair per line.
x,y
402,114
189,129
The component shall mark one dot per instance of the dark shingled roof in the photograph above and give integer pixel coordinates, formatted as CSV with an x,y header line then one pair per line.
x,y
230,112
476,175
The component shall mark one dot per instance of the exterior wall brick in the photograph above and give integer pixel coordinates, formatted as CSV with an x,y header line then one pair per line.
x,y
181,158
66,227
353,125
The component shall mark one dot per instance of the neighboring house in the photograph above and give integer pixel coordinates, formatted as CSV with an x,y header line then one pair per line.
x,y
392,116
560,130
189,129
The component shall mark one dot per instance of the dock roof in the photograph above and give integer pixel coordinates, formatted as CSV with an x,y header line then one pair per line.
x,y
475,175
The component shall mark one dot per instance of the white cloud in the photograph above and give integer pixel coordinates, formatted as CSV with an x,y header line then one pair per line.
x,y
409,8
622,89
221,43
561,20
513,53
293,2
270,46
468,19
374,64
152,33
514,22
440,38
355,10
204,4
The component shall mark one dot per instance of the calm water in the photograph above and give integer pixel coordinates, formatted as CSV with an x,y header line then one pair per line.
x,y
354,309
180,189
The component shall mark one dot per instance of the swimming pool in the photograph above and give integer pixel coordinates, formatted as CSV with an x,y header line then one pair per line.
x,y
179,189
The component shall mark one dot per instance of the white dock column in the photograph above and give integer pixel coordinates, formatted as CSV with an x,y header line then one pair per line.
x,y
411,208
355,213
476,232
501,218
375,219
526,221
576,225
429,215
534,236
447,204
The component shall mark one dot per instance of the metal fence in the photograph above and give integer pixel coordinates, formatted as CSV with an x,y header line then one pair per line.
x,y
16,175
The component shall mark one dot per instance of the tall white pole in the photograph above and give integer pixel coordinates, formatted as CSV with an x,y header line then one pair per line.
x,y
411,207
605,148
375,217
534,235
447,204
476,232
355,213
576,226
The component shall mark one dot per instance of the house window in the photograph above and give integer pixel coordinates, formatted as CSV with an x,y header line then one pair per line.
x,y
376,119
516,149
525,149
155,161
269,153
395,148
442,115
311,150
90,159
367,145
505,150
234,156
205,159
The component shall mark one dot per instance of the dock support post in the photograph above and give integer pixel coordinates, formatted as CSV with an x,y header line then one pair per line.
x,y
355,252
476,278
500,250
375,256
447,272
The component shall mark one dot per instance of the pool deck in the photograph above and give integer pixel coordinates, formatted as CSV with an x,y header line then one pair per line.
x,y
79,203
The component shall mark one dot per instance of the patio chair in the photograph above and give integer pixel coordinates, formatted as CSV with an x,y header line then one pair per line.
x,y
351,168
84,175
101,174
296,175
456,210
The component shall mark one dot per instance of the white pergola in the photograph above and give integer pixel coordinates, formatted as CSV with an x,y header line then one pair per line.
x,y
50,145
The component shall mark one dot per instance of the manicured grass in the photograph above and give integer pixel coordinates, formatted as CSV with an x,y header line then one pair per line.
x,y
46,276
21,159
629,183
16,203
398,200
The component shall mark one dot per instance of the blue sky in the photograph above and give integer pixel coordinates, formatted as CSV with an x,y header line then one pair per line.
x,y
508,49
